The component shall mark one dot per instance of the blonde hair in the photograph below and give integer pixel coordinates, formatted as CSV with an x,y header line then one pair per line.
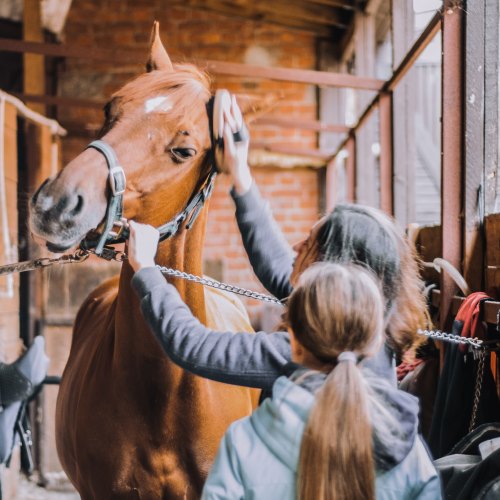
x,y
337,308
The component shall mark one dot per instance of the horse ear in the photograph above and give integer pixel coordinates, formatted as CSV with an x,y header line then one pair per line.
x,y
253,107
158,57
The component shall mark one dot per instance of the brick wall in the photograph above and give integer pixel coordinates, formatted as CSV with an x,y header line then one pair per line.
x,y
189,34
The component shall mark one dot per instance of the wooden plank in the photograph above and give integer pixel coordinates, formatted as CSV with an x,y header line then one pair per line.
x,y
310,77
490,308
452,149
492,230
386,153
60,100
473,257
491,93
428,244
33,64
341,4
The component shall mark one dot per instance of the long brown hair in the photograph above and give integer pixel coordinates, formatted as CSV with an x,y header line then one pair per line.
x,y
337,308
367,236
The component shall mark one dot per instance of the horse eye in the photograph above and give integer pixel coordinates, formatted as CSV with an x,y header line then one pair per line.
x,y
182,154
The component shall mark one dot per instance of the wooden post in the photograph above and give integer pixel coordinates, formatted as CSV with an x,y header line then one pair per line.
x,y
452,149
34,64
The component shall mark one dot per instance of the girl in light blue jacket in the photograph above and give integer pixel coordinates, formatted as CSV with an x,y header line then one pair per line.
x,y
332,430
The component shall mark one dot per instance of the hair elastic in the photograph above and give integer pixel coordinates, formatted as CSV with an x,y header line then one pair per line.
x,y
347,356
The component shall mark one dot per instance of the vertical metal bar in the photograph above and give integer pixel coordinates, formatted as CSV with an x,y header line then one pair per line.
x,y
331,185
351,169
386,153
452,148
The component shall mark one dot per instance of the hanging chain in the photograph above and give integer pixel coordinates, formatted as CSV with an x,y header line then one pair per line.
x,y
477,389
30,265
450,337
218,285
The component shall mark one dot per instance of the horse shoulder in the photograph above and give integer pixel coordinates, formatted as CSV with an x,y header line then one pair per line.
x,y
226,312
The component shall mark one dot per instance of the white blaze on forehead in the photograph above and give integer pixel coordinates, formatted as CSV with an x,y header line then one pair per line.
x,y
157,104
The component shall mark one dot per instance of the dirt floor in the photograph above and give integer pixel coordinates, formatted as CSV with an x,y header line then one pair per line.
x,y
61,491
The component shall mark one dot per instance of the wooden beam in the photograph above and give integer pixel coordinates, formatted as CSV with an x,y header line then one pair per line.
x,y
490,308
340,4
317,19
452,149
60,100
310,77
33,65
300,123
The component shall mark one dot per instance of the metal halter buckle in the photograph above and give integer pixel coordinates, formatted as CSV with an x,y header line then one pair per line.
x,y
114,174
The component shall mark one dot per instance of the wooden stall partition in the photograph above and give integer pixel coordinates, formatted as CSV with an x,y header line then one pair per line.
x,y
10,344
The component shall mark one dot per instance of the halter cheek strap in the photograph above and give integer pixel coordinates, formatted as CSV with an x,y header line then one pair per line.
x,y
117,183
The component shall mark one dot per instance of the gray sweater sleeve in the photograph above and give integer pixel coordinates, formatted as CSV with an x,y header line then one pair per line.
x,y
246,359
270,255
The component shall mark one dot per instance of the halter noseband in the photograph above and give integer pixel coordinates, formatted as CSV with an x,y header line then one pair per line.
x,y
117,184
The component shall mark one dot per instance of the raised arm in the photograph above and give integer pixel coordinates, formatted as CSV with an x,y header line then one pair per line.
x,y
246,359
270,255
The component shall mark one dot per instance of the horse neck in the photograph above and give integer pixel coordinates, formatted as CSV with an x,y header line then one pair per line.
x,y
182,252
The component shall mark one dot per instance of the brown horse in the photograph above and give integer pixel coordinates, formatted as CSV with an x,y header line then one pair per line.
x,y
131,424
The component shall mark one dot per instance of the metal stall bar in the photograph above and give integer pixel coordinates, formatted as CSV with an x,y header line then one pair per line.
x,y
406,64
386,153
452,149
351,167
306,76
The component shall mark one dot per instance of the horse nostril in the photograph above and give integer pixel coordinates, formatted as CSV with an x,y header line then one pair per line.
x,y
34,198
78,206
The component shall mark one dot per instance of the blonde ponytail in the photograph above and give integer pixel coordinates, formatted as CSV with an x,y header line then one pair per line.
x,y
337,308
336,455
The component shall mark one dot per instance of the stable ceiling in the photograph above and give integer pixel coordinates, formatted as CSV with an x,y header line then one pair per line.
x,y
329,19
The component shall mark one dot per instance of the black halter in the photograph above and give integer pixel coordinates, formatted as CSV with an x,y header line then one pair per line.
x,y
117,183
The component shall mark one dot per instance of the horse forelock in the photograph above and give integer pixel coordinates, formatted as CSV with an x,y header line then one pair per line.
x,y
186,87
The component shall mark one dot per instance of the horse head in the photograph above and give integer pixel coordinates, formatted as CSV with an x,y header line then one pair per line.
x,y
157,125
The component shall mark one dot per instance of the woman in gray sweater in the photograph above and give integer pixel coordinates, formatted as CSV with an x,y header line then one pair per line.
x,y
349,234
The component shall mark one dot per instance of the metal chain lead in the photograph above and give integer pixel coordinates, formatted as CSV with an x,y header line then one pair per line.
x,y
218,285
477,389
30,265
449,337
